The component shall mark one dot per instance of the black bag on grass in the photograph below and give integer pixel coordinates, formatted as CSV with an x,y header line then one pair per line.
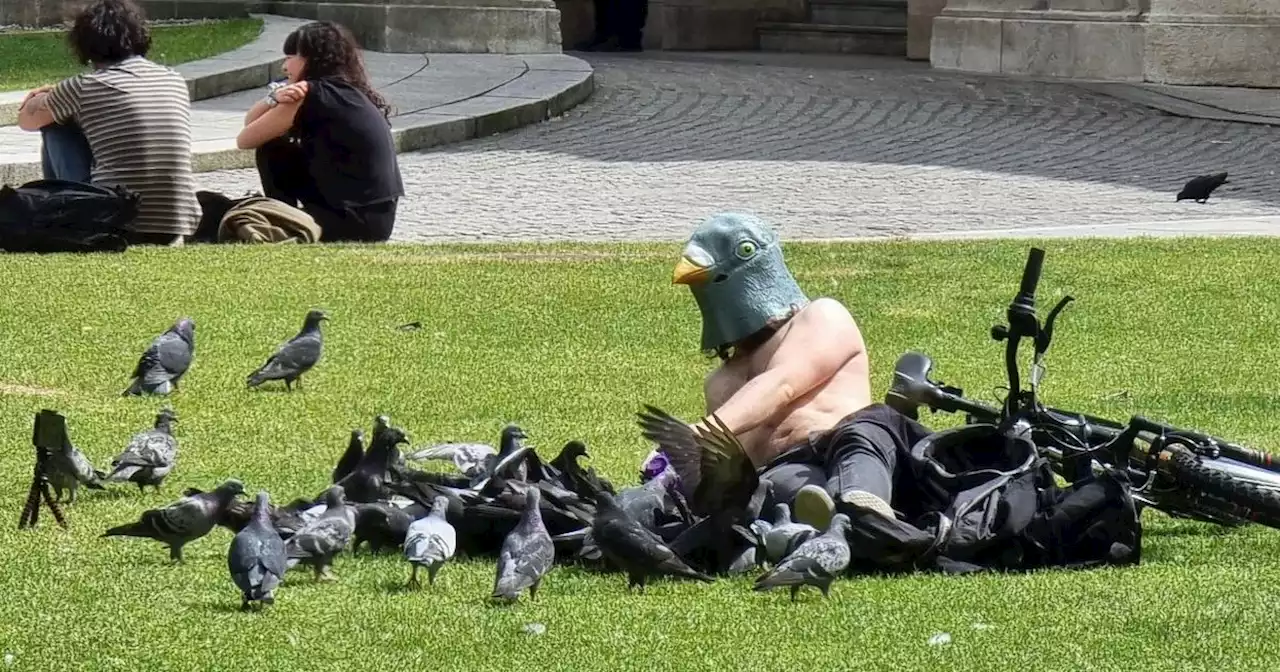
x,y
63,216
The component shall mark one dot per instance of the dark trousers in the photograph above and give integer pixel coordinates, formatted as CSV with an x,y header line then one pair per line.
x,y
286,177
621,19
854,455
65,153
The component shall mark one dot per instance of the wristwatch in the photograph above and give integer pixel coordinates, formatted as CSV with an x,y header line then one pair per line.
x,y
270,100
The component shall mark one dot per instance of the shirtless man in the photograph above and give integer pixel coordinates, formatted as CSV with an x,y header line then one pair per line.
x,y
794,384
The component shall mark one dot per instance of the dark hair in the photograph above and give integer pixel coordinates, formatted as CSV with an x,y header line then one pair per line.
x,y
109,31
331,51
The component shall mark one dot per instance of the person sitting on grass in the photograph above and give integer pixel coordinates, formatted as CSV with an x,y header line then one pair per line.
x,y
323,141
127,123
794,383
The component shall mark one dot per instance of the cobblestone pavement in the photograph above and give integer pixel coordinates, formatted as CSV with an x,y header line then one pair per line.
x,y
824,148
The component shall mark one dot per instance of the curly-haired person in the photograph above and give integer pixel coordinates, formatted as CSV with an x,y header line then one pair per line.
x,y
323,141
126,122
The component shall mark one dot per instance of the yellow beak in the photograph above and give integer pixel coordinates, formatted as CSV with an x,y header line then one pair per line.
x,y
689,273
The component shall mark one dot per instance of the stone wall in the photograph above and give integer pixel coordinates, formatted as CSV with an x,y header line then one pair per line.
x,y
47,13
1201,42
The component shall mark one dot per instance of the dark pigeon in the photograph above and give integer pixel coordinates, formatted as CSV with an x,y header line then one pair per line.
x,y
257,557
1198,188
715,473
295,357
165,361
382,525
351,457
527,553
320,540
183,521
571,475
150,455
817,562
633,548
366,483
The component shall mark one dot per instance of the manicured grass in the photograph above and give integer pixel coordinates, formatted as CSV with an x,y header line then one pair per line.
x,y
568,342
30,59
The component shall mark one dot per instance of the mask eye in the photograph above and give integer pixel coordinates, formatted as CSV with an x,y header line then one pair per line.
x,y
746,249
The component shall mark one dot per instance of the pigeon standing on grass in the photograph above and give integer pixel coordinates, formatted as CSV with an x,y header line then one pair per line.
x,y
183,521
430,542
150,455
257,558
527,552
68,469
317,542
165,361
633,548
295,357
816,562
782,536
1198,188
350,457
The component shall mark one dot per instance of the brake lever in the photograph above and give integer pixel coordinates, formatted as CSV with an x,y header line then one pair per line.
x,y
1046,332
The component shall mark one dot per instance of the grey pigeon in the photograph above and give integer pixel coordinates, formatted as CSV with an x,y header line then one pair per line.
x,y
68,469
633,548
478,461
469,458
183,521
782,536
1198,188
165,361
317,542
527,553
295,357
430,542
257,557
150,455
817,562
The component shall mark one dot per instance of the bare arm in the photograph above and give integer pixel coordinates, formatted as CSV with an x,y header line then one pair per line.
x,y
265,122
34,114
823,340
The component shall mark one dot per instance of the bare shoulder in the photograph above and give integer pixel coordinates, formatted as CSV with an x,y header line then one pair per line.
x,y
827,312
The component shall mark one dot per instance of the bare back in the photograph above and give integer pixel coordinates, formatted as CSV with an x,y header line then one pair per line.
x,y
844,389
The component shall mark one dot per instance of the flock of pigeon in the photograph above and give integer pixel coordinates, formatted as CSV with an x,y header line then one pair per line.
x,y
699,508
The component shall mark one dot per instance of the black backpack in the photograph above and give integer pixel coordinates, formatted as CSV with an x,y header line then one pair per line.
x,y
63,216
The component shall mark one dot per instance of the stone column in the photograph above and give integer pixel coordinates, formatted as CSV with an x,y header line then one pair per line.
x,y
1205,42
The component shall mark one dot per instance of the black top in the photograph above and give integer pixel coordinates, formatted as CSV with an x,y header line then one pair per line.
x,y
350,153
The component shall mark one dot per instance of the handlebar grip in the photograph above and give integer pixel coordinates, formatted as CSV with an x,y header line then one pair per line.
x,y
1031,274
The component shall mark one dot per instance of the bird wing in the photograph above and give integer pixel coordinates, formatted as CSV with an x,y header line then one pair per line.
x,y
715,472
324,536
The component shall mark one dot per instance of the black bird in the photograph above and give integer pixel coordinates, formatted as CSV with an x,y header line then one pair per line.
x,y
571,475
295,357
351,457
366,483
165,361
1199,187
383,525
633,548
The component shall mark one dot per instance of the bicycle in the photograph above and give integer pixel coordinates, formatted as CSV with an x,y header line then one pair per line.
x,y
1181,472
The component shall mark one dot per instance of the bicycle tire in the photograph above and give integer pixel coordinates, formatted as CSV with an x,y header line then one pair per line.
x,y
1257,504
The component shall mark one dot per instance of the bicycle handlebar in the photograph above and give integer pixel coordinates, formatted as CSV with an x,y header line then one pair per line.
x,y
1030,279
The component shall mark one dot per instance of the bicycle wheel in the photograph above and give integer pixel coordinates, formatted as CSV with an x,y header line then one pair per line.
x,y
1249,501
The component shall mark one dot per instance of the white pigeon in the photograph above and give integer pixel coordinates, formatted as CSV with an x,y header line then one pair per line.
x,y
430,542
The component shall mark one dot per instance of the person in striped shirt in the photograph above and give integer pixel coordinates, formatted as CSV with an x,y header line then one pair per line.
x,y
126,122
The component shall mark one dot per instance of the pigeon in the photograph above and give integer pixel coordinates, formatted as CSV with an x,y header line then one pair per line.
x,y
585,482
68,469
355,451
781,537
295,357
257,558
382,525
469,458
366,482
527,553
633,548
1198,188
150,455
165,361
317,542
478,461
715,473
817,562
183,521
430,542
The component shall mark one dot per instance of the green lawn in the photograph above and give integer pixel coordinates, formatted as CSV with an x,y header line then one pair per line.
x,y
30,59
569,342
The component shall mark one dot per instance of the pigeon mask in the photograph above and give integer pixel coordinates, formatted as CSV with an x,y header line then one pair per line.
x,y
733,265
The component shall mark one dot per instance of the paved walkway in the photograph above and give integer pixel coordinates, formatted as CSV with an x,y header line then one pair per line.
x,y
832,148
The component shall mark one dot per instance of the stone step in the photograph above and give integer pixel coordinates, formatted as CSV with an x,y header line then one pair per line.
x,y
888,13
817,38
